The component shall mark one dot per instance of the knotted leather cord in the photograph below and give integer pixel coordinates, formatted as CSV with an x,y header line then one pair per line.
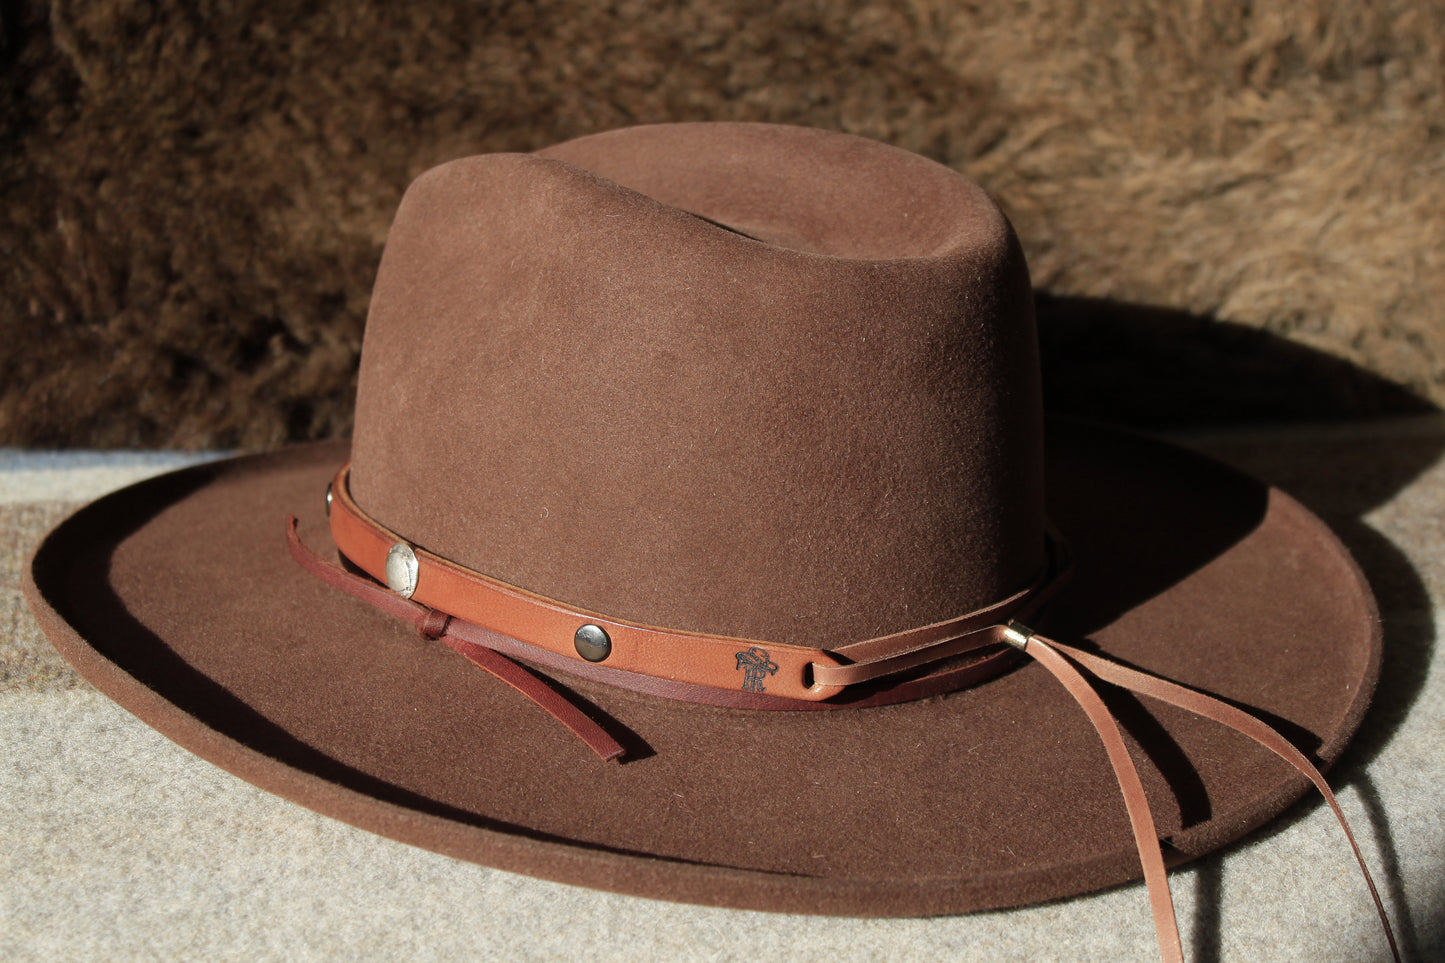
x,y
433,625
1060,660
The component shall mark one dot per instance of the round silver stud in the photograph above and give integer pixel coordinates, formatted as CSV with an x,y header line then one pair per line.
x,y
592,643
401,569
328,499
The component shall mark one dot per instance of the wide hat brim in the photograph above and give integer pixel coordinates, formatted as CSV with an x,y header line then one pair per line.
x,y
177,598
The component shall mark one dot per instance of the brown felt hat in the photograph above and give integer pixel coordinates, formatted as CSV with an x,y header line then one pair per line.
x,y
682,431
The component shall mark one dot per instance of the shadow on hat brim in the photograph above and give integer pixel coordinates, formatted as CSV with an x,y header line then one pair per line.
x,y
177,599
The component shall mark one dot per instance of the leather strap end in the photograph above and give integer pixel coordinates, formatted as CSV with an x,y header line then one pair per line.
x,y
436,625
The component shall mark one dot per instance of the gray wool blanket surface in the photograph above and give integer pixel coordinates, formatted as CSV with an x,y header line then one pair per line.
x,y
116,844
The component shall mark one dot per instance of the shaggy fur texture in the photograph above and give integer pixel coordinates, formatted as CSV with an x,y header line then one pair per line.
x,y
1236,209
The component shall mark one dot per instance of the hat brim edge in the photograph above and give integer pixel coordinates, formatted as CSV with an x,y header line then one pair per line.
x,y
518,849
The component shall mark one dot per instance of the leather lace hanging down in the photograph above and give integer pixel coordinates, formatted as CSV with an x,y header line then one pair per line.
x,y
434,625
1063,662
489,650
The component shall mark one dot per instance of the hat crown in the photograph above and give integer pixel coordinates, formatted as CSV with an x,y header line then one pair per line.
x,y
738,379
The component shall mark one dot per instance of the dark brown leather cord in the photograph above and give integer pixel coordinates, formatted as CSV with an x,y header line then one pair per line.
x,y
949,675
485,648
433,624
1062,659
547,699
694,659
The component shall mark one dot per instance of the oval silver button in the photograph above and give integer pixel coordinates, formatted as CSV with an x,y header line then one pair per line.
x,y
401,569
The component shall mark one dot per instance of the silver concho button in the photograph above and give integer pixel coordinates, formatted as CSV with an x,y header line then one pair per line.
x,y
401,569
592,643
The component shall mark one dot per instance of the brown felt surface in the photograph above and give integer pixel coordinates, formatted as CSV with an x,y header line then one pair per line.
x,y
584,384
177,599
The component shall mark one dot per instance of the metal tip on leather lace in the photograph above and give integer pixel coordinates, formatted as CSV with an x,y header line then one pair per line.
x,y
1017,635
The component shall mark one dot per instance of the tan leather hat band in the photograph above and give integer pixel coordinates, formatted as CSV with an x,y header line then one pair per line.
x,y
713,661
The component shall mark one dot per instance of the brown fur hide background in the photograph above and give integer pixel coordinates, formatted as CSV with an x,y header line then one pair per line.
x,y
1232,209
